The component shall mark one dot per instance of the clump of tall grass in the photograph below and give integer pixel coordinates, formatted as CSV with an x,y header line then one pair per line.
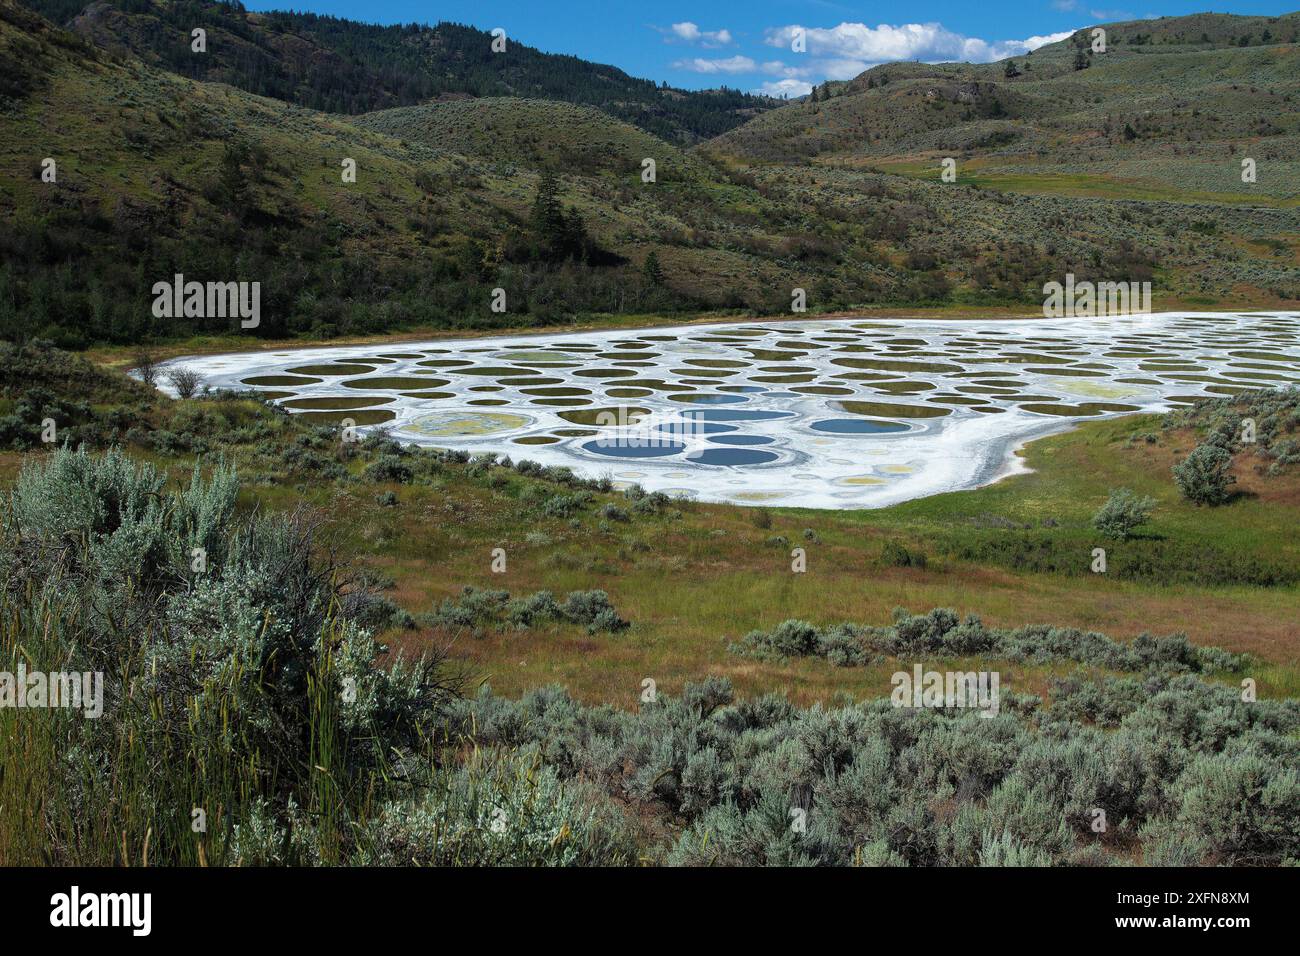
x,y
236,682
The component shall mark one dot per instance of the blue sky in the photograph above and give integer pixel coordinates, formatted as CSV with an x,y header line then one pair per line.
x,y
747,45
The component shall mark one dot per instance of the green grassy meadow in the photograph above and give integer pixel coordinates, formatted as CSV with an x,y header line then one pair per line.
x,y
692,584
699,575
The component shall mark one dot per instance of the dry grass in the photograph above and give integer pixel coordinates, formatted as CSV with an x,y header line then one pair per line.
x,y
692,585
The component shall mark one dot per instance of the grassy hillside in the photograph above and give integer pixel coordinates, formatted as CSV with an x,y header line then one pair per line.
x,y
343,66
159,174
1162,114
1153,133
533,134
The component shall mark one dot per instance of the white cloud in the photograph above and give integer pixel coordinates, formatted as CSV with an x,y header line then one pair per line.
x,y
1033,43
689,32
843,69
781,68
787,87
731,64
927,42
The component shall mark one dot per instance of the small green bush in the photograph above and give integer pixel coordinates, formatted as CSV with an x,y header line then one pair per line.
x,y
476,609
389,467
1203,476
1122,514
896,555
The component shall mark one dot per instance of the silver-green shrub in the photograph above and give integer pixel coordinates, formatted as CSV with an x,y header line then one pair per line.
x,y
1203,477
759,782
234,678
941,633
1123,513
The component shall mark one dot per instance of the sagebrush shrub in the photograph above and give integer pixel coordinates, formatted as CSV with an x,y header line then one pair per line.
x,y
940,632
234,662
1203,476
1122,514
883,785
477,608
502,808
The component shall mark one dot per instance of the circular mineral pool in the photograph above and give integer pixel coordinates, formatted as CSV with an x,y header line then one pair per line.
x,y
631,449
707,398
737,415
694,426
857,426
741,440
468,424
730,456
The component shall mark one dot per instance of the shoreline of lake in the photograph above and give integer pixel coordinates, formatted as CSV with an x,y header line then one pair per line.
x,y
849,413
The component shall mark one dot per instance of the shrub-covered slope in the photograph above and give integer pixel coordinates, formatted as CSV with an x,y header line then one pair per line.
x,y
1150,105
159,175
343,66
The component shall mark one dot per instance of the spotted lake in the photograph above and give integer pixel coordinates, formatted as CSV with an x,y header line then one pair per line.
x,y
831,414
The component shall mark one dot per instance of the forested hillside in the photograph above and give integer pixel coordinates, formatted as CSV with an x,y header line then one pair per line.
x,y
342,66
159,174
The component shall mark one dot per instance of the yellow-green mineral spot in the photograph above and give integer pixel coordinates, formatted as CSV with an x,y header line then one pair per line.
x,y
467,424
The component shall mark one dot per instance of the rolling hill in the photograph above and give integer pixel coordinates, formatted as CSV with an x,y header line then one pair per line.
x,y
530,133
1173,105
160,173
343,66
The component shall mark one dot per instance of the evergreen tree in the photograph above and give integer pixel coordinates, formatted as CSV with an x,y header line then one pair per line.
x,y
653,272
574,244
548,216
558,233
548,223
232,184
